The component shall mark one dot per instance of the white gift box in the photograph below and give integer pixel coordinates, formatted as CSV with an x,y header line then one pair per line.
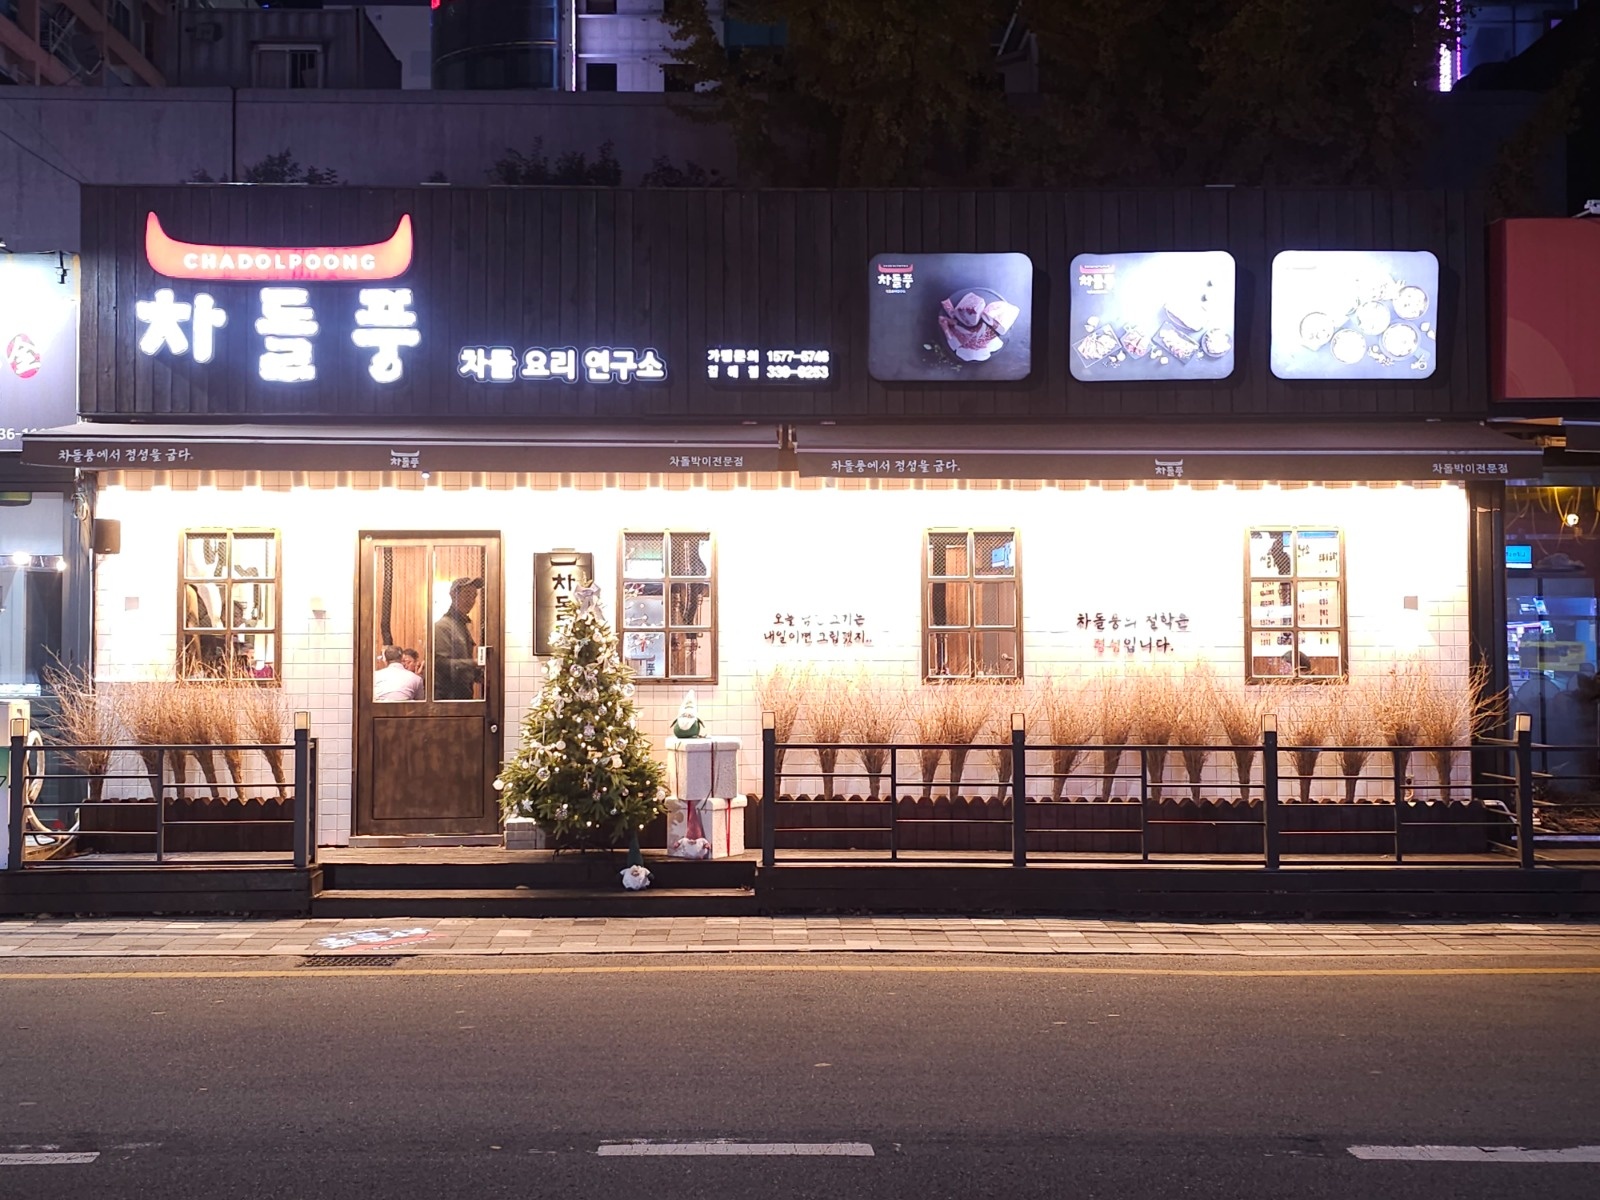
x,y
523,833
698,768
721,824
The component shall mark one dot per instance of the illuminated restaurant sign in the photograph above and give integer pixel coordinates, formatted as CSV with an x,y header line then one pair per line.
x,y
1355,314
284,317
1164,315
950,318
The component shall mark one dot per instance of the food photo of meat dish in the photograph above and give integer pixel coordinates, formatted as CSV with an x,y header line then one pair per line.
x,y
950,317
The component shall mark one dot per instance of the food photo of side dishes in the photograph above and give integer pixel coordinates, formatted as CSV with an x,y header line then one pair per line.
x,y
1152,316
1355,314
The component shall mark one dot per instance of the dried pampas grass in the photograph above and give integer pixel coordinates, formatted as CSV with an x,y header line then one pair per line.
x,y
1453,710
1069,721
1118,715
264,715
1238,714
826,706
1309,727
779,692
875,712
1355,729
949,714
85,716
1158,707
1397,711
1192,731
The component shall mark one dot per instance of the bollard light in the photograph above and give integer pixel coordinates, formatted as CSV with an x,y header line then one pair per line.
x,y
1524,723
769,720
19,727
302,720
1269,722
1019,722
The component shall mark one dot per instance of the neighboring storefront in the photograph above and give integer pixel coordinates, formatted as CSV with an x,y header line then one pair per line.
x,y
922,436
44,562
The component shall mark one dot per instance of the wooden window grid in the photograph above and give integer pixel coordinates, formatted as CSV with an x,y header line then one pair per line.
x,y
1295,605
971,604
230,597
667,605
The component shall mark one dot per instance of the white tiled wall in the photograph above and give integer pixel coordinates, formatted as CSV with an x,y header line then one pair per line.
x,y
808,550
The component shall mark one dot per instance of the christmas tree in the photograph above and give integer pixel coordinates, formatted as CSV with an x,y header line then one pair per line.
x,y
584,770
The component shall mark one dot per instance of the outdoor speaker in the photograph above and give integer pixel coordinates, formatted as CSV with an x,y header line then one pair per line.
x,y
107,537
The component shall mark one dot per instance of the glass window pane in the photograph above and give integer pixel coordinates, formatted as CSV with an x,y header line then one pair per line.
x,y
997,603
1316,553
643,606
1321,654
205,555
995,554
642,556
204,605
947,556
458,604
254,555
997,654
1269,552
251,606
950,654
646,654
1271,604
949,605
402,580
691,655
1318,605
691,604
251,655
691,555
1270,654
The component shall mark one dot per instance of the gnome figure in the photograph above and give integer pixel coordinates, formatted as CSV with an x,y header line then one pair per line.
x,y
688,724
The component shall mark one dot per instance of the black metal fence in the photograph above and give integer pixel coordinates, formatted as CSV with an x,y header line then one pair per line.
x,y
147,826
1505,792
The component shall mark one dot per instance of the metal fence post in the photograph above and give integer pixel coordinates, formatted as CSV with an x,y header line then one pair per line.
x,y
894,804
1269,789
769,788
161,802
1019,789
1524,756
17,770
302,783
311,812
1399,774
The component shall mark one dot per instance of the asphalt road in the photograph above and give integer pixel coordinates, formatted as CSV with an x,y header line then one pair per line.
x,y
967,1077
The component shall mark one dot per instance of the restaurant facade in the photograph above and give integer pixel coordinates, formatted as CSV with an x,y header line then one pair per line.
x,y
905,436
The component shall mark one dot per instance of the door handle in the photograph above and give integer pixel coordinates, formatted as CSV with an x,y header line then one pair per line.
x,y
483,656
493,728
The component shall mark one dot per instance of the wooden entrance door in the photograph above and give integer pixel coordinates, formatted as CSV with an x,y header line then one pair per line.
x,y
428,732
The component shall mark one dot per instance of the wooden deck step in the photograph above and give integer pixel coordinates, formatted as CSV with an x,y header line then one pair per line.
x,y
534,902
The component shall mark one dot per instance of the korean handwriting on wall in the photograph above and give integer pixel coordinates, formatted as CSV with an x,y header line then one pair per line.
x,y
817,629
1156,624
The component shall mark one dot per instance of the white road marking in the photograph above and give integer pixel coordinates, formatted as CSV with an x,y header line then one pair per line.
x,y
735,1149
1476,1154
48,1159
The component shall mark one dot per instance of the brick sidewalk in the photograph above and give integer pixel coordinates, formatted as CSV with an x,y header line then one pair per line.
x,y
159,937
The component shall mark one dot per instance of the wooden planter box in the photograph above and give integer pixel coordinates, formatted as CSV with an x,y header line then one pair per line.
x,y
982,821
229,833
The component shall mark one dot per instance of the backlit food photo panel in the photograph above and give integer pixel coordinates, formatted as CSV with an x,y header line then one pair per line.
x,y
954,318
1162,315
1355,314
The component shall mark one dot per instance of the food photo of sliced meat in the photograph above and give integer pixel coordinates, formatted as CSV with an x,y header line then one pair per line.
x,y
949,317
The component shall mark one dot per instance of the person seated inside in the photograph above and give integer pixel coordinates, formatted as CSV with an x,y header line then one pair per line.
x,y
411,661
392,681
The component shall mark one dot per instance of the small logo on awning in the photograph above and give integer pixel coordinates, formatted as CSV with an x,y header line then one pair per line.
x,y
1169,468
278,264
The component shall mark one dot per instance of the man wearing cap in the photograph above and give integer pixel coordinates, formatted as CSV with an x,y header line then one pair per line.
x,y
455,650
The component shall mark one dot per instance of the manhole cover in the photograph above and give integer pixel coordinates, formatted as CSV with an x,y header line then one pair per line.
x,y
352,960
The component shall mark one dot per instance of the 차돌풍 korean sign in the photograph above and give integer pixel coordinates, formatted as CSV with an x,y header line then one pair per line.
x,y
298,313
38,344
1166,315
952,318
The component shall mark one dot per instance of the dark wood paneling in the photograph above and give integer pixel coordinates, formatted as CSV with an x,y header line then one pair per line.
x,y
681,270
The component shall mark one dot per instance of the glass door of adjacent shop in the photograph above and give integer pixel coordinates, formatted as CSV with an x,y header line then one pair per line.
x,y
429,629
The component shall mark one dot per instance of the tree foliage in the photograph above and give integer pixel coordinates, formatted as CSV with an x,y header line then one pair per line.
x,y
908,92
